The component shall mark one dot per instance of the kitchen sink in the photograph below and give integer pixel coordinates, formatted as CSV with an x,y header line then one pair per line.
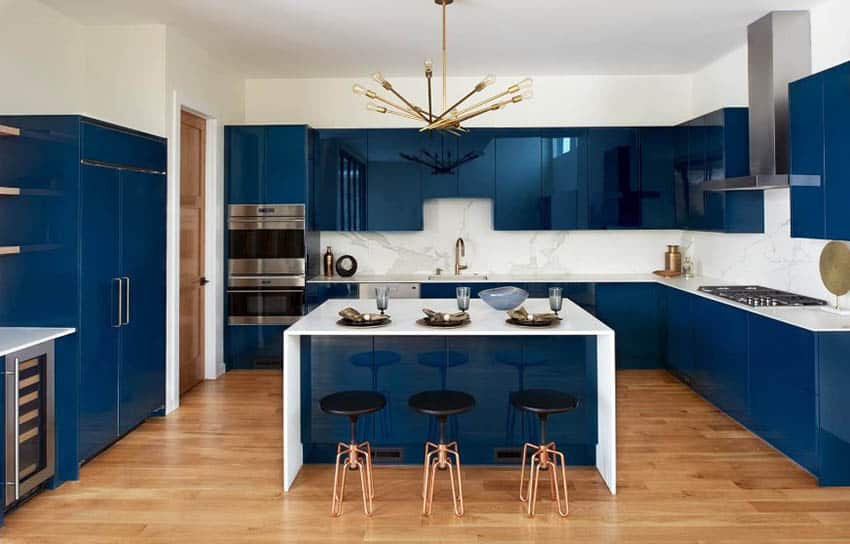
x,y
453,278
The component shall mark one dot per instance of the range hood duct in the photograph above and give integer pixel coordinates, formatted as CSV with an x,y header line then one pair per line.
x,y
780,51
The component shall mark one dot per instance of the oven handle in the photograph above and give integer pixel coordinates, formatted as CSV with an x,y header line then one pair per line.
x,y
265,224
17,428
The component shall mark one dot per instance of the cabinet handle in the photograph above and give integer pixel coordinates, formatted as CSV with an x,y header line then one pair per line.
x,y
127,305
17,428
120,302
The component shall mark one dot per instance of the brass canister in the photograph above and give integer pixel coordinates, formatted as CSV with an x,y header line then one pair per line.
x,y
673,259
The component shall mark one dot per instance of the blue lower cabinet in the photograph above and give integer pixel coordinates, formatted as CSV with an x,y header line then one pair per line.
x,y
317,293
254,346
488,368
449,290
783,405
634,311
678,333
721,356
834,409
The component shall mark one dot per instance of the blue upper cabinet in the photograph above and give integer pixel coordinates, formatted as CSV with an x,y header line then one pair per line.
x,y
338,198
119,146
808,214
614,180
659,207
477,177
394,188
820,154
287,165
564,171
437,182
267,164
718,148
519,200
681,175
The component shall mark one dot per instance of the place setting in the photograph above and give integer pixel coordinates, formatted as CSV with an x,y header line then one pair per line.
x,y
520,317
449,320
350,317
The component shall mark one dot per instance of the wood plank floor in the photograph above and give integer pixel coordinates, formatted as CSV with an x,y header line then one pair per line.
x,y
210,473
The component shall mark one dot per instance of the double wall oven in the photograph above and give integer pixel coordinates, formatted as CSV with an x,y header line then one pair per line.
x,y
266,264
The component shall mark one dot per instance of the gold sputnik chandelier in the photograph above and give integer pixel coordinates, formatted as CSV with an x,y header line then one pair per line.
x,y
453,116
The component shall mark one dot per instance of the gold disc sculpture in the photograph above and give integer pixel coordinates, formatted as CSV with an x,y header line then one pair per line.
x,y
835,269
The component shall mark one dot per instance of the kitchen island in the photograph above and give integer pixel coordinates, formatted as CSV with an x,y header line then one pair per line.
x,y
487,358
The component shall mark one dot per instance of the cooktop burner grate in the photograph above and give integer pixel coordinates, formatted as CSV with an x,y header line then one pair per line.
x,y
756,296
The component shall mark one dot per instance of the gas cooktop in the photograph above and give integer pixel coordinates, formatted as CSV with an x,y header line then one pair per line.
x,y
755,295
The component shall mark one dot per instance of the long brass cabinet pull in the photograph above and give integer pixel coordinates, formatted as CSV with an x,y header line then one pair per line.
x,y
17,429
120,302
127,303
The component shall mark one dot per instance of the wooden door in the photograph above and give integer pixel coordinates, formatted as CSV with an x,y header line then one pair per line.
x,y
192,160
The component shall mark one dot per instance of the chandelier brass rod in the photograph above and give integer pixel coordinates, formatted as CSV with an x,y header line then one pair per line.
x,y
458,103
462,118
445,57
376,96
415,109
430,108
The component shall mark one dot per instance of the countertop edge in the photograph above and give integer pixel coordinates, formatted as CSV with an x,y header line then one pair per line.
x,y
39,335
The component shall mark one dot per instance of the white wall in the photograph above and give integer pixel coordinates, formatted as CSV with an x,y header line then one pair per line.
x,y
558,101
774,259
198,82
41,56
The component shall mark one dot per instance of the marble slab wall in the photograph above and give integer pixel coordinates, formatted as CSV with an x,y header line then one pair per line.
x,y
773,259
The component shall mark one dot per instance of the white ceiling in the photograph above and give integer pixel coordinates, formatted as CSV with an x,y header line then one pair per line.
x,y
352,38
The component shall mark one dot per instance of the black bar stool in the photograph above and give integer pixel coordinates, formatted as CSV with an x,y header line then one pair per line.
x,y
441,456
353,404
544,402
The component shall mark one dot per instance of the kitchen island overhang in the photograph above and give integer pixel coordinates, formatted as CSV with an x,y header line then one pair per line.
x,y
486,322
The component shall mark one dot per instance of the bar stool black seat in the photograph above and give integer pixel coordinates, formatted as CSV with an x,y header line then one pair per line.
x,y
353,404
545,456
442,456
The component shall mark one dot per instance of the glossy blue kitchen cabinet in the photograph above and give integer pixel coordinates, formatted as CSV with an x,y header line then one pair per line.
x,y
658,200
142,371
565,178
477,178
782,392
267,164
583,294
836,105
806,133
436,183
614,178
833,408
287,160
317,294
635,312
339,181
681,175
721,356
449,290
117,146
519,202
99,332
489,368
679,333
254,346
394,188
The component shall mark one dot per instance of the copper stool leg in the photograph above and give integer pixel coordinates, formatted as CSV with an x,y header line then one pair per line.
x,y
357,457
546,457
442,456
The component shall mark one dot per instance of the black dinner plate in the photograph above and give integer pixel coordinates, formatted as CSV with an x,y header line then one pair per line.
x,y
531,323
443,324
363,324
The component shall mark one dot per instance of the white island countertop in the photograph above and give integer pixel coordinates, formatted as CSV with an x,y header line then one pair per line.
x,y
485,321
14,339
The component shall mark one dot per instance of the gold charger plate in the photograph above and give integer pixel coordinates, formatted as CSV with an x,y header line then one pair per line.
x,y
531,323
443,324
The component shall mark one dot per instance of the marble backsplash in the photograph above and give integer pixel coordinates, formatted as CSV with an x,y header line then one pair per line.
x,y
773,259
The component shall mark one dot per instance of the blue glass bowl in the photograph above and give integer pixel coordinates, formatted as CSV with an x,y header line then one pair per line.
x,y
504,298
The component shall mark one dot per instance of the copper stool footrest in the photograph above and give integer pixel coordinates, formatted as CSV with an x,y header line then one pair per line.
x,y
357,457
441,457
545,457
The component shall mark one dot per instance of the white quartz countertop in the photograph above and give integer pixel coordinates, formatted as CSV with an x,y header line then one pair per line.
x,y
810,318
14,339
485,321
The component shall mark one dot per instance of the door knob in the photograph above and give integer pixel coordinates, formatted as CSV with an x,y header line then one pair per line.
x,y
204,281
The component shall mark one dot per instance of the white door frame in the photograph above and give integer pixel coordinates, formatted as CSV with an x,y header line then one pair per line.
x,y
213,249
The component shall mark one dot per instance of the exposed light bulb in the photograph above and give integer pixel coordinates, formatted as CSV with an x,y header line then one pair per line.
x,y
359,90
488,80
429,66
376,108
378,77
525,83
528,95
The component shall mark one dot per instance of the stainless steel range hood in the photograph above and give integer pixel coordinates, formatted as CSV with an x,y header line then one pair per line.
x,y
780,51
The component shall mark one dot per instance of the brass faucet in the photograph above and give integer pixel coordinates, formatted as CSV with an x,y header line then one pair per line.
x,y
460,251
